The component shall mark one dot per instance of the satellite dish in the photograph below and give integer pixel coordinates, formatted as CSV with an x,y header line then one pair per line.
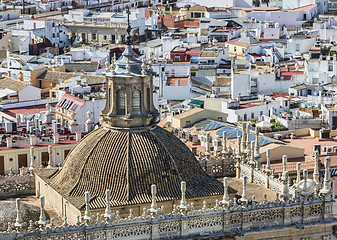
x,y
43,118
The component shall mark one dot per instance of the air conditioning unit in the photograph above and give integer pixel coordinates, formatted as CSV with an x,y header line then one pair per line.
x,y
325,150
57,128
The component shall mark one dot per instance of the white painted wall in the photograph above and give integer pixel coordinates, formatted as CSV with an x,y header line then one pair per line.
x,y
29,93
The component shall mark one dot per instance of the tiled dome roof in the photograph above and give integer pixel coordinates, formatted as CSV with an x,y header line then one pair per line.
x,y
128,162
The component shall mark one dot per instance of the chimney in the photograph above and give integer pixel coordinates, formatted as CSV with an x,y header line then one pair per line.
x,y
75,71
56,138
78,136
33,140
9,74
9,142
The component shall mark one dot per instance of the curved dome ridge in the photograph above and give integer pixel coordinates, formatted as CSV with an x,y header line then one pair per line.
x,y
129,161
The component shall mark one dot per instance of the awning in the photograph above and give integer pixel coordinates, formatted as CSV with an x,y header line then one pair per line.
x,y
196,103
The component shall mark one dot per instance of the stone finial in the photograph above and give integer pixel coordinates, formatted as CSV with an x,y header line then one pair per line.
x,y
18,222
286,194
50,156
298,171
31,151
284,164
248,133
112,66
143,66
305,180
316,168
183,206
244,200
243,143
107,213
268,166
224,143
107,65
42,221
87,216
154,210
127,67
225,200
257,145
326,190
239,144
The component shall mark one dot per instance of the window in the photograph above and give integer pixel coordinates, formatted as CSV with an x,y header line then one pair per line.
x,y
234,49
252,116
136,105
176,58
261,113
104,37
93,36
220,119
120,102
245,117
243,50
148,96
298,47
330,67
188,123
286,103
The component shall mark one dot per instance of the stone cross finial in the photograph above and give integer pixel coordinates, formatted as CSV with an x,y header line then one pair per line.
x,y
154,210
31,151
298,171
107,213
127,67
18,222
50,155
326,190
42,221
286,195
268,166
87,216
183,204
244,199
316,168
284,164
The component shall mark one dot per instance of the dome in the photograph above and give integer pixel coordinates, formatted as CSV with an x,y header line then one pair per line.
x,y
128,162
8,213
311,186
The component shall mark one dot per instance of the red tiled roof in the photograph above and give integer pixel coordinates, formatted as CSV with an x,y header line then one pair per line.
x,y
29,110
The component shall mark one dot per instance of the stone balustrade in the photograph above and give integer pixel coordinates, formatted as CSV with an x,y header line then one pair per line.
x,y
13,185
183,222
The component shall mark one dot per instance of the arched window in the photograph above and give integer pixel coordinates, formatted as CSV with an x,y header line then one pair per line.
x,y
148,97
120,97
136,105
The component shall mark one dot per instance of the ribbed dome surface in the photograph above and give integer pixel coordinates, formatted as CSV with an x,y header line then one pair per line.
x,y
127,163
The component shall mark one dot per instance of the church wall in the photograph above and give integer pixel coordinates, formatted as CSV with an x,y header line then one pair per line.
x,y
66,209
319,231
